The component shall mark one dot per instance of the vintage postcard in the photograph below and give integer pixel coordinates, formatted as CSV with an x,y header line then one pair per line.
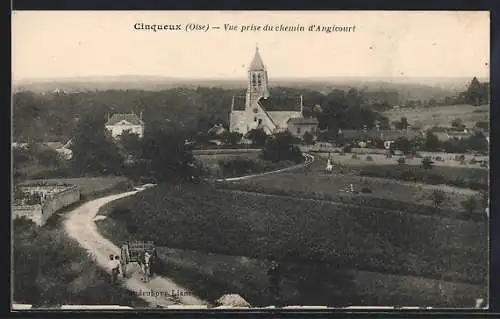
x,y
240,159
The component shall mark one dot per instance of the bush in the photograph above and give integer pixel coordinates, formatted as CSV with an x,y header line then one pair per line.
x,y
401,160
354,156
369,158
366,190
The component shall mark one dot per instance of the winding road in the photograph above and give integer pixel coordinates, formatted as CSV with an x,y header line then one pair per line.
x,y
80,225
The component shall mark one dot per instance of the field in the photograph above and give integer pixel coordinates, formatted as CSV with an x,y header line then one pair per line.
x,y
442,115
385,193
379,159
91,186
306,236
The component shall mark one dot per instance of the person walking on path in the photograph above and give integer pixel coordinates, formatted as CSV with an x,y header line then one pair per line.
x,y
115,269
119,265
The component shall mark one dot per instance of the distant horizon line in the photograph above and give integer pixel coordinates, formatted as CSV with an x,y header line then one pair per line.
x,y
89,77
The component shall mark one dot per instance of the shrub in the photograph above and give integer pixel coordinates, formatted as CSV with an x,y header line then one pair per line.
x,y
436,179
354,156
401,160
369,158
366,190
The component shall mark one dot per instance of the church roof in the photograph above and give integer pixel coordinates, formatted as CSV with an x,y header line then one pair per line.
x,y
257,64
273,104
132,118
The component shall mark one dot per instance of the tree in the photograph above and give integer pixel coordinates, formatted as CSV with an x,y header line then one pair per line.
x,y
47,156
477,142
94,151
431,143
404,123
131,143
437,197
308,138
280,147
483,125
257,136
427,163
470,205
457,123
170,160
402,144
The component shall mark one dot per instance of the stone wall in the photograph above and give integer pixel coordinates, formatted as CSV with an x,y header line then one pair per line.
x,y
59,200
33,212
56,198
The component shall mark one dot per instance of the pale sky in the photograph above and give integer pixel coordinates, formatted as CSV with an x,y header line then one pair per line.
x,y
51,44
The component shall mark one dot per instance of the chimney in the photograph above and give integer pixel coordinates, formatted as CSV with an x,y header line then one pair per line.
x,y
232,104
140,115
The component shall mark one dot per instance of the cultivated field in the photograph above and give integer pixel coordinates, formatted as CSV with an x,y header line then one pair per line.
x,y
343,244
442,115
380,159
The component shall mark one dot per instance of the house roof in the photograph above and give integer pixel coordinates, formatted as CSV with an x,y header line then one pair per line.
x,y
54,145
132,118
360,134
257,64
303,121
382,134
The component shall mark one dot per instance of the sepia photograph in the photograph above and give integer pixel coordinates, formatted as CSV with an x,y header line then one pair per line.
x,y
250,160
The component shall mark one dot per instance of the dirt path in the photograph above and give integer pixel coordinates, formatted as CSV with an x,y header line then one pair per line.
x,y
80,226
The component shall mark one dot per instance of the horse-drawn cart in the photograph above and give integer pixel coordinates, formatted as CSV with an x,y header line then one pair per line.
x,y
133,250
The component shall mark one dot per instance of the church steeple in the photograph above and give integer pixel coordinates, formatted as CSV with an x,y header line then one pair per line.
x,y
257,81
257,64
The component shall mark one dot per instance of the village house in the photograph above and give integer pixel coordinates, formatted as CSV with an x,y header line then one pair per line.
x,y
363,137
63,150
258,110
299,126
119,123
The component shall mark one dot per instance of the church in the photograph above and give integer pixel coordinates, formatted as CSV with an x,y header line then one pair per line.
x,y
260,110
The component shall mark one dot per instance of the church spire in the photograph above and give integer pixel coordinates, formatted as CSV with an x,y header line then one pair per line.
x,y
257,64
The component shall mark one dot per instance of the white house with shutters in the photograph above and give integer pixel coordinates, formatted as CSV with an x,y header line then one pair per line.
x,y
119,123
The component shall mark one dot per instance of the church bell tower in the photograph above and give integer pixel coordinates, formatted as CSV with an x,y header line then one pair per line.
x,y
257,80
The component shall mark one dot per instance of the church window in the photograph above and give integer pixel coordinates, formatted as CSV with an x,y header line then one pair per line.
x,y
255,119
254,80
298,130
259,80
